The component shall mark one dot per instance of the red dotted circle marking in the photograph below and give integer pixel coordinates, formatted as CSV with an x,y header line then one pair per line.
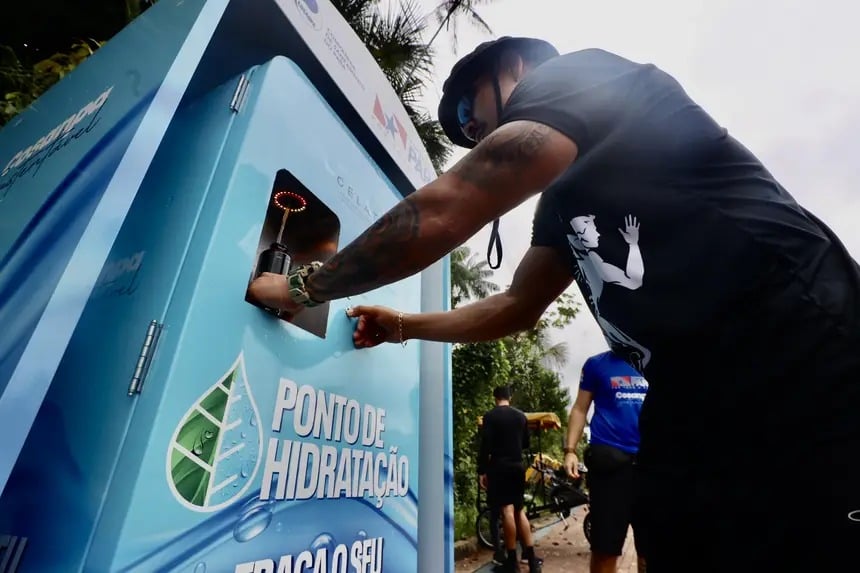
x,y
281,196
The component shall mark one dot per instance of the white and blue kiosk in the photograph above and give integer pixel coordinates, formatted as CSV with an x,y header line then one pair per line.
x,y
151,419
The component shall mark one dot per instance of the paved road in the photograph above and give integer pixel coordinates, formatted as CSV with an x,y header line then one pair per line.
x,y
564,551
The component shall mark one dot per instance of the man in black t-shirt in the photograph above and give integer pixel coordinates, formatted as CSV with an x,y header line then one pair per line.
x,y
741,308
504,436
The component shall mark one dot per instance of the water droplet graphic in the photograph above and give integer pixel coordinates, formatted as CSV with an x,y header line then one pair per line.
x,y
323,540
252,524
230,402
279,527
362,534
200,568
245,470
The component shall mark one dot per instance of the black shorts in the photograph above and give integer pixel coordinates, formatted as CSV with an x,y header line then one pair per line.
x,y
612,493
788,511
506,486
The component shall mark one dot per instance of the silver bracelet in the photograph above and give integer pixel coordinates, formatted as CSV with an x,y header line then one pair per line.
x,y
400,328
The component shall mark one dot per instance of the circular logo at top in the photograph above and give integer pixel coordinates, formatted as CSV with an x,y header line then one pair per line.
x,y
310,9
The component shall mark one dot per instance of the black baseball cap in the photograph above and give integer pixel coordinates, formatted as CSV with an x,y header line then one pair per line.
x,y
468,69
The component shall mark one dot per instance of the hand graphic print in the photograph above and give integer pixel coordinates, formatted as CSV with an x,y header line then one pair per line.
x,y
631,231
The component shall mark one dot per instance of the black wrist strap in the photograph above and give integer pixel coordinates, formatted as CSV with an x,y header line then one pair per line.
x,y
495,241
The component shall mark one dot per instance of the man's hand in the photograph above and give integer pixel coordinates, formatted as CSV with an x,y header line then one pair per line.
x,y
271,290
482,480
376,324
571,465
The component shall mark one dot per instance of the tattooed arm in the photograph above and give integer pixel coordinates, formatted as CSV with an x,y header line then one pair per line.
x,y
516,161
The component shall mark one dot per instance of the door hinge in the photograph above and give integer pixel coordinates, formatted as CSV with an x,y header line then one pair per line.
x,y
145,358
11,550
240,94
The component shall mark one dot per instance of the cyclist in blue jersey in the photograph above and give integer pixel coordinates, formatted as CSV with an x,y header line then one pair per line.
x,y
617,391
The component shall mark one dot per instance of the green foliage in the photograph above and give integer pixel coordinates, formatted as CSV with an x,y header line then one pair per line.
x,y
469,277
537,340
64,28
22,85
477,369
526,360
37,29
560,314
518,360
465,516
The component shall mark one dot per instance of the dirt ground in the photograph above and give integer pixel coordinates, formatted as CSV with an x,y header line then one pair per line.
x,y
563,551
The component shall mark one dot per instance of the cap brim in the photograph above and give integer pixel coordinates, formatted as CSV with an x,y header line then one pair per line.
x,y
465,72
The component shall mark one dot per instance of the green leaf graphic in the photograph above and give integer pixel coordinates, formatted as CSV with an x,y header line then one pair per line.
x,y
216,449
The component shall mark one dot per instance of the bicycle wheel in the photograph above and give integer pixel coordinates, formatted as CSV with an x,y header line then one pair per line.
x,y
586,526
482,528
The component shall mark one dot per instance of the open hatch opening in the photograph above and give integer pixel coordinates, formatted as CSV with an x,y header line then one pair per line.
x,y
298,229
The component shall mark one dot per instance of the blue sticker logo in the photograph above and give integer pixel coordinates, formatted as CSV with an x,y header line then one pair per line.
x,y
310,10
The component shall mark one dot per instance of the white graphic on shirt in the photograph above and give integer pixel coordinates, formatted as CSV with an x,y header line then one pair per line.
x,y
595,273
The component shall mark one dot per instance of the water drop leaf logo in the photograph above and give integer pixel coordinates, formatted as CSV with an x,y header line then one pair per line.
x,y
216,449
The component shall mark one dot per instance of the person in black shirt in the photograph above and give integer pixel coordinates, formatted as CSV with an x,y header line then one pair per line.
x,y
504,436
740,307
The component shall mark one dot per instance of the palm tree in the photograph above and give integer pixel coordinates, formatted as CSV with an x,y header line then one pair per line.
x,y
447,11
470,276
446,14
552,355
394,40
538,340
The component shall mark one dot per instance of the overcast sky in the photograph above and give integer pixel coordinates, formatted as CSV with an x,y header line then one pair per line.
x,y
780,75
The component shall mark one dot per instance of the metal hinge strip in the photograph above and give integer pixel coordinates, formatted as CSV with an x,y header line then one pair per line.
x,y
240,94
145,358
